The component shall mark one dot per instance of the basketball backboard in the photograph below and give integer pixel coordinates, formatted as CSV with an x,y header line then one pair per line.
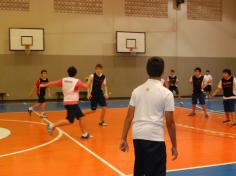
x,y
128,42
22,38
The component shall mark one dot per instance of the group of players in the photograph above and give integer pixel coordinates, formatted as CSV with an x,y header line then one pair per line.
x,y
202,88
97,94
96,86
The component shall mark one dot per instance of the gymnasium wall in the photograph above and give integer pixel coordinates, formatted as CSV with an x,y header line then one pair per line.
x,y
84,40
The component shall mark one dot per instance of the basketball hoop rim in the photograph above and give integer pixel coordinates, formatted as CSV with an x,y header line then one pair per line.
x,y
131,48
28,46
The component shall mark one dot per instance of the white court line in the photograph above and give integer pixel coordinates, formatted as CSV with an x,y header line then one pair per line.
x,y
218,133
230,135
32,148
85,148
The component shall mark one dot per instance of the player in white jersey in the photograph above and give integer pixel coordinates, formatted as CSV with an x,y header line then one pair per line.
x,y
70,87
208,79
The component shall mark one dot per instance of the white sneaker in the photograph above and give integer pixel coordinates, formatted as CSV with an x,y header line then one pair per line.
x,y
43,116
30,110
50,129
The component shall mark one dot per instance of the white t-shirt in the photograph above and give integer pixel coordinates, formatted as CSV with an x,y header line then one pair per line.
x,y
208,78
234,89
150,100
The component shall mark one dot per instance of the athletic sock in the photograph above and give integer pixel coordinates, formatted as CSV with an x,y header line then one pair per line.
x,y
51,126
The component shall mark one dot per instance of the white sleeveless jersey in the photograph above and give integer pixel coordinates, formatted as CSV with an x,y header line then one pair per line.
x,y
68,88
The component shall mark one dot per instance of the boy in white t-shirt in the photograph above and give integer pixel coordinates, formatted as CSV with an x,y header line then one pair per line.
x,y
70,86
208,81
150,105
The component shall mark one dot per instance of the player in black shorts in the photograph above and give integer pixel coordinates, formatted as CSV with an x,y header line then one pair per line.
x,y
173,83
70,86
41,93
228,85
197,84
98,92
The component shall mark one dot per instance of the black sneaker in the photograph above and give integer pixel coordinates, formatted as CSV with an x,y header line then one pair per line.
x,y
226,121
192,114
102,123
86,137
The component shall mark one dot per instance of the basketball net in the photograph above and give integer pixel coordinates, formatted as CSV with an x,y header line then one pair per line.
x,y
27,49
131,50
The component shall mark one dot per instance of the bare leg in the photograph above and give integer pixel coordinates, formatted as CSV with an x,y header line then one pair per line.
x,y
37,105
103,113
42,107
227,116
231,116
204,110
61,123
194,107
82,126
193,113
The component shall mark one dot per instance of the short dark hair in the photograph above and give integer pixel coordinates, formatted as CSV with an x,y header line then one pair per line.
x,y
172,70
155,66
43,71
99,66
198,69
226,70
208,71
72,71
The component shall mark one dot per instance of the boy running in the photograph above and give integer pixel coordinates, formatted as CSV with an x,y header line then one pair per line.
x,y
228,85
98,92
41,93
70,86
197,84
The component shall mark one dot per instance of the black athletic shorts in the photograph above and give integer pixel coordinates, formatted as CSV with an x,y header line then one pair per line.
x,y
73,111
198,97
150,158
229,105
208,89
174,89
97,100
41,99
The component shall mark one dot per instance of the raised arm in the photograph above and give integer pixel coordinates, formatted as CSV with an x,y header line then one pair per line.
x,y
52,84
170,123
124,147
